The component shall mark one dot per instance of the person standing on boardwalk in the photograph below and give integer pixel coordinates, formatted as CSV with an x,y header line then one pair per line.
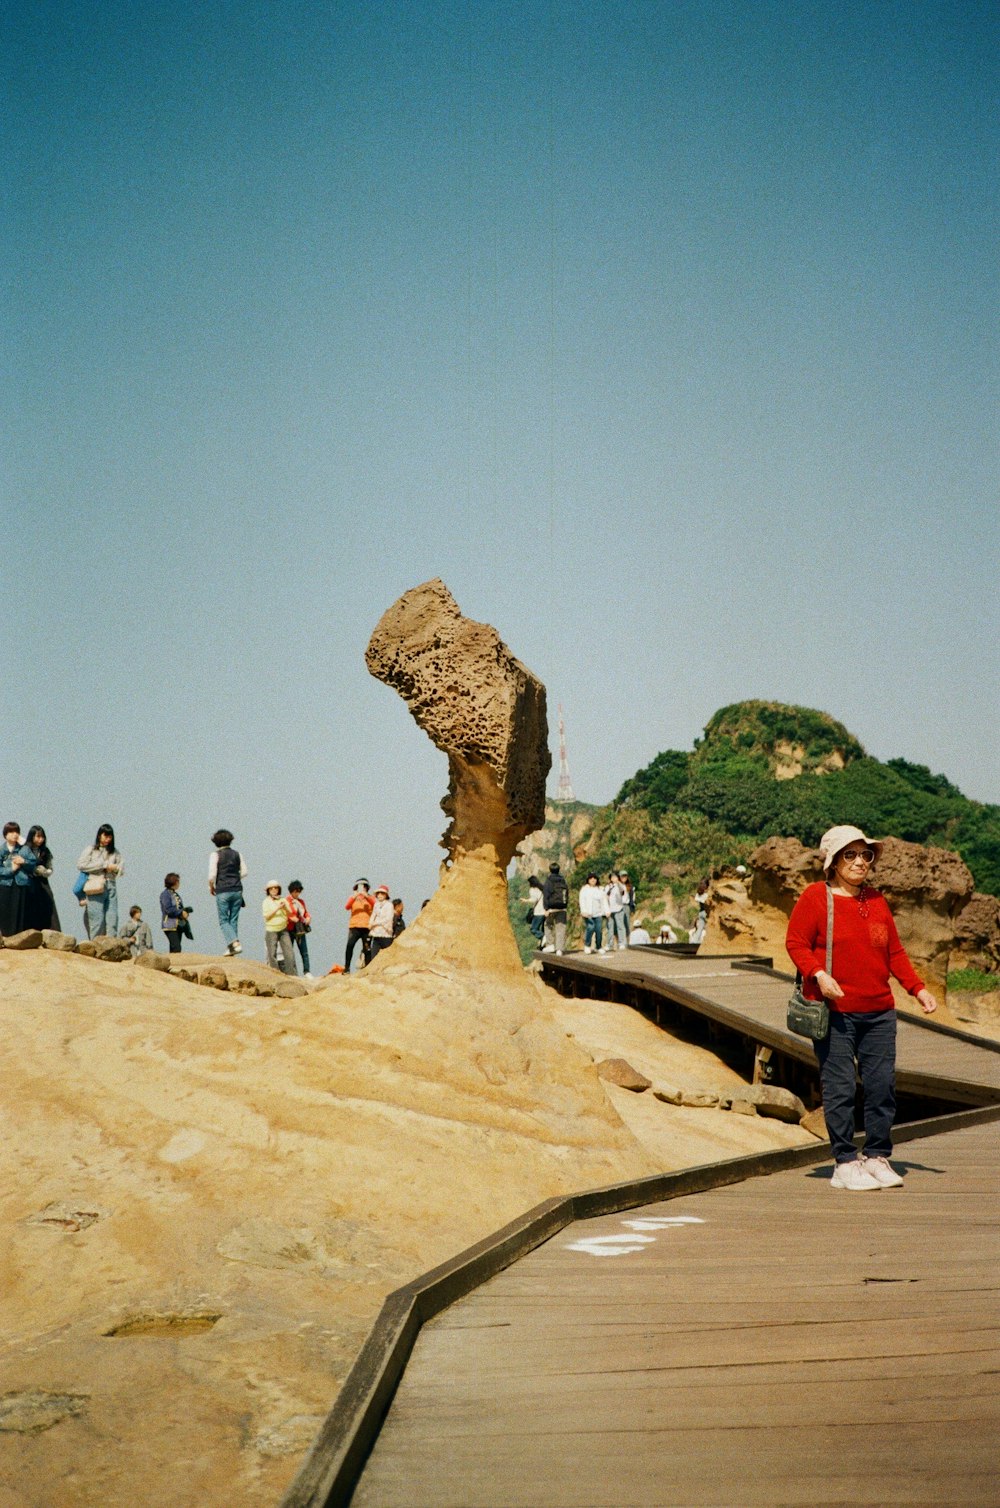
x,y
360,903
102,864
617,916
862,1036
226,873
555,894
593,909
536,908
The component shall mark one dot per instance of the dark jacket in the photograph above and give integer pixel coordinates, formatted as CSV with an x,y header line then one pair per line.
x,y
555,899
22,876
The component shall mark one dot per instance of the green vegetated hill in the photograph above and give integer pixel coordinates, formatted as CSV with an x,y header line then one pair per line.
x,y
763,769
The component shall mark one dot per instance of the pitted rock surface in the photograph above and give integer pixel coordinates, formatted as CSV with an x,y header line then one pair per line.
x,y
479,705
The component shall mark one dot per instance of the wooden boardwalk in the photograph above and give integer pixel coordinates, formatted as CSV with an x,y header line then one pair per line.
x,y
929,1060
770,1342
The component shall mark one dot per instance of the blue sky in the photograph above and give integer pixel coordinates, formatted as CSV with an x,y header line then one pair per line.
x,y
667,334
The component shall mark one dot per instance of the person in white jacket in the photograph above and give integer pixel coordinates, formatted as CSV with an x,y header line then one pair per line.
x,y
615,892
594,907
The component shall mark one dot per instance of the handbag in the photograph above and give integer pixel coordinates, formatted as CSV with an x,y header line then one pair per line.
x,y
94,884
811,1018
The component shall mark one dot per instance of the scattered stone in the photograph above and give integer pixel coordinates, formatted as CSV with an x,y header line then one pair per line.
x,y
669,1094
112,949
158,961
769,1099
23,940
60,942
87,948
191,975
814,1121
739,1107
699,1100
245,987
618,1071
214,978
30,1413
290,989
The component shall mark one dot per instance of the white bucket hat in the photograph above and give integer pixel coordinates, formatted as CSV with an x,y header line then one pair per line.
x,y
836,838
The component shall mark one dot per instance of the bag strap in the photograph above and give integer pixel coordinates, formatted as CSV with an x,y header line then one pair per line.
x,y
829,931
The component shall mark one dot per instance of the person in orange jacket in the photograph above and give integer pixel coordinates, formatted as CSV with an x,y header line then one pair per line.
x,y
360,903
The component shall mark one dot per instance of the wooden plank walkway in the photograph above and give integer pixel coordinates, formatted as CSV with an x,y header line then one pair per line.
x,y
770,1342
755,1001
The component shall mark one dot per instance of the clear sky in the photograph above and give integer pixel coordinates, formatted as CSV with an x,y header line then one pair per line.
x,y
666,333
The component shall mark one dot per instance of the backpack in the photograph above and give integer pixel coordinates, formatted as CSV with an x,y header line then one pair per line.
x,y
558,893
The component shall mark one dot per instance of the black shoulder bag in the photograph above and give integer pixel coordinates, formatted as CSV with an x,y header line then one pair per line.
x,y
811,1018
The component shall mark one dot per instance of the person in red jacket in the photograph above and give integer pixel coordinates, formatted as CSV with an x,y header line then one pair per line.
x,y
866,952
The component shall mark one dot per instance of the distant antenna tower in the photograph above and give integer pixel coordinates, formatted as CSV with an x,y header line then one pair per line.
x,y
565,792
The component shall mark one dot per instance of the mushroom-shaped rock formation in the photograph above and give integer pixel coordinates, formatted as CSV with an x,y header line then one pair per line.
x,y
486,711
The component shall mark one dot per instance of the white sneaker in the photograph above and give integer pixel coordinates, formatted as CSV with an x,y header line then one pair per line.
x,y
237,946
307,976
602,950
853,1176
881,1169
588,950
559,952
549,948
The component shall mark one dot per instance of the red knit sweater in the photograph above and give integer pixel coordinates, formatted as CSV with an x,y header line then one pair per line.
x,y
866,949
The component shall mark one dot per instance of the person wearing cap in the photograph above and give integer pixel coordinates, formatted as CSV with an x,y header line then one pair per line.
x,y
380,926
862,1036
360,904
276,930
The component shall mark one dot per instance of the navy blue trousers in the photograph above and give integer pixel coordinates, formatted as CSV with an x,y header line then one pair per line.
x,y
866,1039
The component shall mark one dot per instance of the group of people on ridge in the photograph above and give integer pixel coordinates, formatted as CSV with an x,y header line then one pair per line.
x,y
27,901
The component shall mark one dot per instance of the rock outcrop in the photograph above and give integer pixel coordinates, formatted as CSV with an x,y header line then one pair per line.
x,y
479,705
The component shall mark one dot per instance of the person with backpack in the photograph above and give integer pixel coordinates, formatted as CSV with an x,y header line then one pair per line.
x,y
555,894
226,873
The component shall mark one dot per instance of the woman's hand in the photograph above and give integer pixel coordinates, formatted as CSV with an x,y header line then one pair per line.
x,y
827,985
927,1002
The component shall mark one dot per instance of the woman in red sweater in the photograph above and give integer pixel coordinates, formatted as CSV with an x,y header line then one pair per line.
x,y
866,951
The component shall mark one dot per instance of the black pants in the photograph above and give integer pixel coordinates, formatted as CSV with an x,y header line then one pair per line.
x,y
173,941
357,935
376,944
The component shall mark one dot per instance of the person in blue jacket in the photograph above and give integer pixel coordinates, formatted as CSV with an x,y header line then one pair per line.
x,y
17,865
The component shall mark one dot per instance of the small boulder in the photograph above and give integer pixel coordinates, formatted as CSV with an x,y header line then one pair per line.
x,y
617,1071
739,1107
769,1099
87,948
669,1094
23,940
191,975
699,1100
159,961
814,1121
112,949
61,942
214,977
290,989
245,987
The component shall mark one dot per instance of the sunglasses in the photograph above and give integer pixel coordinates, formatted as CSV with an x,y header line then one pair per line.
x,y
852,855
